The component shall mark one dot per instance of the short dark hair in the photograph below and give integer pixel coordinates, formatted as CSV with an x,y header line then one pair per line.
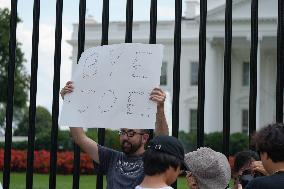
x,y
270,139
146,131
244,157
157,162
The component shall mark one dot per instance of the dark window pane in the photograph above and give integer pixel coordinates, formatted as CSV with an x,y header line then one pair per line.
x,y
245,117
193,120
194,73
245,73
164,70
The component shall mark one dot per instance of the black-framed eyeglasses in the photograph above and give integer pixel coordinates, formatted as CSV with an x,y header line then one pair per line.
x,y
129,133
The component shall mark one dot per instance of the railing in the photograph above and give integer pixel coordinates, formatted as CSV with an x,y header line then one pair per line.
x,y
128,39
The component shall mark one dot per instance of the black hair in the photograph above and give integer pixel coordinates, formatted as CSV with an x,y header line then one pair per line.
x,y
244,157
270,139
147,131
156,162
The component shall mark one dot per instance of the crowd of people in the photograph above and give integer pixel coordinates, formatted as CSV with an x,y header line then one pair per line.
x,y
157,163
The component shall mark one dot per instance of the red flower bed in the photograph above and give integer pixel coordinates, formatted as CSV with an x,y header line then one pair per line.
x,y
42,162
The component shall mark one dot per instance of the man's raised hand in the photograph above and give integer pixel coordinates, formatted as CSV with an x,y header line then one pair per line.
x,y
68,88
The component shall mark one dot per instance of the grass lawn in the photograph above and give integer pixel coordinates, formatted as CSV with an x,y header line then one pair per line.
x,y
18,181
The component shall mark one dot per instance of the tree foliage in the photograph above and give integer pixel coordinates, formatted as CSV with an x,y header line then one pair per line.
x,y
43,122
21,76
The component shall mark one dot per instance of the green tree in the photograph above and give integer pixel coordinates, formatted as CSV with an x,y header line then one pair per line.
x,y
43,122
21,76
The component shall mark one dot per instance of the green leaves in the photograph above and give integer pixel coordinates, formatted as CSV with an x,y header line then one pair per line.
x,y
22,78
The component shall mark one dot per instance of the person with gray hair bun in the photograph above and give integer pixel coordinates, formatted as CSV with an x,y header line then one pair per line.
x,y
207,169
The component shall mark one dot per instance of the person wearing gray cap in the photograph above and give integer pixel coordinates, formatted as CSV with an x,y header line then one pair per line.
x,y
207,169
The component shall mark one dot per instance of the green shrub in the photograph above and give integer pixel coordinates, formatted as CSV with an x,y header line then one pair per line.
x,y
23,145
214,141
238,141
112,139
64,141
188,140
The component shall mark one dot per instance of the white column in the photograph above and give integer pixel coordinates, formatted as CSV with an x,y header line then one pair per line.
x,y
212,119
258,100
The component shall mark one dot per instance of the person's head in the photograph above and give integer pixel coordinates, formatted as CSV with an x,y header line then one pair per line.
x,y
243,172
210,169
243,160
164,155
269,142
132,141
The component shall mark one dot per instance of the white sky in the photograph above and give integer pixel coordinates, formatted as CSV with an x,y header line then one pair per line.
x,y
70,15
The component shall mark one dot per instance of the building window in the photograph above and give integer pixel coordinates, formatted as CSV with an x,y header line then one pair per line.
x,y
245,73
164,70
194,73
192,120
245,117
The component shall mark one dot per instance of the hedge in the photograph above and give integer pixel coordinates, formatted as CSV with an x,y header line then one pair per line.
x,y
42,162
238,141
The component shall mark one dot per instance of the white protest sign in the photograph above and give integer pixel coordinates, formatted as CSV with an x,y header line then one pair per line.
x,y
112,84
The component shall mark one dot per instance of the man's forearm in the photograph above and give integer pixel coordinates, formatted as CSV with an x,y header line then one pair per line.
x,y
77,134
86,144
161,127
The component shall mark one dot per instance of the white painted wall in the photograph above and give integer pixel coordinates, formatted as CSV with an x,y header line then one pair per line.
x,y
214,59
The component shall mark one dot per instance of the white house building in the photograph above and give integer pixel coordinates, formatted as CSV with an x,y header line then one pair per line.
x,y
267,48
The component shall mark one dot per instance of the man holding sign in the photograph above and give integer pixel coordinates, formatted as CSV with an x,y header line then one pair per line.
x,y
113,88
123,169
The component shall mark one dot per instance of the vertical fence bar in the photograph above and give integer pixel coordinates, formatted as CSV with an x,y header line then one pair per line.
x,y
55,101
201,73
129,21
176,69
227,78
81,46
104,41
280,63
153,33
10,94
153,22
33,92
105,22
253,68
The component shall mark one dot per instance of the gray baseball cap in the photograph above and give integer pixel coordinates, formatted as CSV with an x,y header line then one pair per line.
x,y
211,169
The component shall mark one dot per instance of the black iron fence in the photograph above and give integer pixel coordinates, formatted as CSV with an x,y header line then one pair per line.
x,y
128,39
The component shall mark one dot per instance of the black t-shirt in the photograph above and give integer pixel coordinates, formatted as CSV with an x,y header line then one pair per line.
x,y
275,181
122,171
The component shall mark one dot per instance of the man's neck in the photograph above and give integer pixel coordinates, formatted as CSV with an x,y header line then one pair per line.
x,y
276,167
156,181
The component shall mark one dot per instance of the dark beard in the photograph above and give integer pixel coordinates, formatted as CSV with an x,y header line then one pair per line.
x,y
131,149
